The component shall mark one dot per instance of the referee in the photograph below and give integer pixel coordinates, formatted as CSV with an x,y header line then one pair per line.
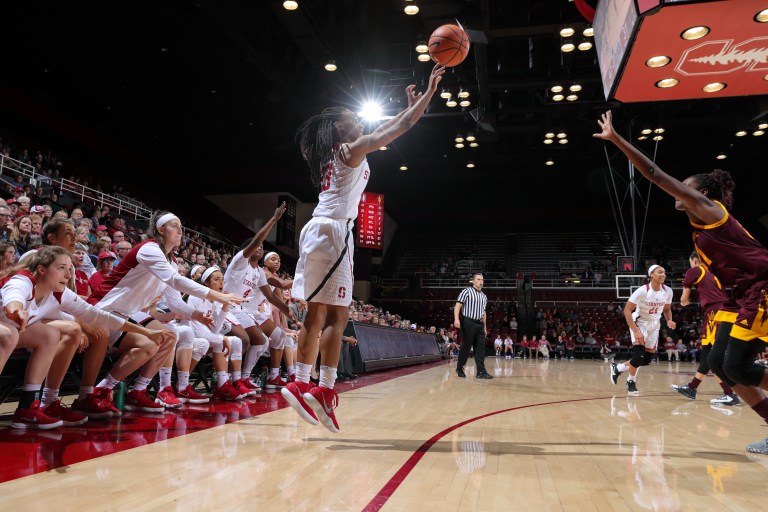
x,y
469,316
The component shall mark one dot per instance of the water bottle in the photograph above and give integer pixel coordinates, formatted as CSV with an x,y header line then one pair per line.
x,y
263,374
118,395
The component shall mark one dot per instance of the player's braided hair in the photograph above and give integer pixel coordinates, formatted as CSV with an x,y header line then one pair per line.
x,y
316,137
719,185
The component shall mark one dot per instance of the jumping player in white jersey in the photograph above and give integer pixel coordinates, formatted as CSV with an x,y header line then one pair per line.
x,y
643,314
334,147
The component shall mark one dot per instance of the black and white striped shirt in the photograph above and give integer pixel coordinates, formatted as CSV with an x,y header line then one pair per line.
x,y
473,303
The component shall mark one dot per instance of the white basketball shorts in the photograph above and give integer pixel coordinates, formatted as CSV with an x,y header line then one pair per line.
x,y
241,317
324,272
650,332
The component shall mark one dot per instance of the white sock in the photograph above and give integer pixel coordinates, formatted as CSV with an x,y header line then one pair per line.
x,y
221,378
84,391
183,380
303,372
274,372
327,376
291,369
49,396
622,367
251,358
108,382
236,375
165,377
141,383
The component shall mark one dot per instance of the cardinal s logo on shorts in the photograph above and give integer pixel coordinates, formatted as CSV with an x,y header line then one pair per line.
x,y
342,292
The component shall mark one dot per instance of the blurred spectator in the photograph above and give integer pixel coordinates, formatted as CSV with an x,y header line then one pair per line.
x,y
117,237
121,249
101,231
37,224
7,255
76,214
669,346
104,267
200,260
24,206
6,221
61,214
21,236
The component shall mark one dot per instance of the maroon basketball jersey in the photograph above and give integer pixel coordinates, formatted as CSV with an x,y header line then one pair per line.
x,y
728,251
711,294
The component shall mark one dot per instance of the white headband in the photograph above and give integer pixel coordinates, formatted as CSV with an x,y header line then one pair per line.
x,y
208,272
194,269
652,268
270,254
27,255
163,220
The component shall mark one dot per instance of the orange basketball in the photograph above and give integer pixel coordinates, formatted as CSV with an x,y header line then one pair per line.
x,y
449,45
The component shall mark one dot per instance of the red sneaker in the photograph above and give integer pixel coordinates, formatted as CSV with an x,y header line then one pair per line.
x,y
227,392
243,388
275,383
59,411
167,398
323,401
250,384
141,401
97,405
294,395
292,378
191,396
33,417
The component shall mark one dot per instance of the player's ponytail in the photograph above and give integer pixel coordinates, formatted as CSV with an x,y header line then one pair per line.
x,y
316,138
719,185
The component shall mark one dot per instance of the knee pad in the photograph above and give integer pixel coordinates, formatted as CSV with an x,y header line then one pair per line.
x,y
717,353
236,354
647,358
217,346
200,347
289,342
638,356
185,335
277,339
704,360
740,362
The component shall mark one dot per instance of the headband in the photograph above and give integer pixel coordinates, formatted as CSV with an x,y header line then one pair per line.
x,y
195,268
652,268
270,254
208,272
164,219
27,255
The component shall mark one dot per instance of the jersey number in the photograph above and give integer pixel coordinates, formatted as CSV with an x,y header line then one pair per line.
x,y
365,174
342,292
245,295
326,183
653,311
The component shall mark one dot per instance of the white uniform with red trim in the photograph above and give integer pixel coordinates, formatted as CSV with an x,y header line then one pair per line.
x,y
324,272
242,279
647,315
21,288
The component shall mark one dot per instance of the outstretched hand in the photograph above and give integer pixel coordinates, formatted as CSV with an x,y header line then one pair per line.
x,y
606,124
412,98
279,212
436,76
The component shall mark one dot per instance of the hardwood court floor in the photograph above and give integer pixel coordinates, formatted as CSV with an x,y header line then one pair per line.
x,y
543,435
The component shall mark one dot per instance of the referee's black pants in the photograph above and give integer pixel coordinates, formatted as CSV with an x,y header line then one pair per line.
x,y
472,335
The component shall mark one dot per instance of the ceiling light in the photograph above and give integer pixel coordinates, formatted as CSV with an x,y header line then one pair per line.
x,y
459,145
762,16
403,167
459,138
556,88
422,47
714,87
694,33
567,46
665,83
549,135
470,165
762,126
424,57
642,137
758,133
383,148
470,137
463,93
451,103
646,131
561,135
721,156
589,32
558,97
549,162
741,133
548,141
658,61
572,97
464,103
473,144
290,5
410,8
658,137
331,66
659,130
563,141
585,45
567,32
445,94
370,111
575,88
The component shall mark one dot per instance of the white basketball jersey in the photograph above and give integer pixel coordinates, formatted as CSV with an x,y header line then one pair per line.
x,y
342,187
650,303
244,280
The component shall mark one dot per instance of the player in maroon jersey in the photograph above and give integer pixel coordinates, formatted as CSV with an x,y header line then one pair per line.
x,y
738,260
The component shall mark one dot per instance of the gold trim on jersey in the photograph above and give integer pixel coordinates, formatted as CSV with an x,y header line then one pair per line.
x,y
716,224
710,329
726,316
703,273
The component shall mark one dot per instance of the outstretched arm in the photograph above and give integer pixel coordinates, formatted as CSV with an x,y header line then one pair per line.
x,y
696,204
261,235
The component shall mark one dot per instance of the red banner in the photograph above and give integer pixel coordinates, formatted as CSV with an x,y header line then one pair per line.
x,y
370,221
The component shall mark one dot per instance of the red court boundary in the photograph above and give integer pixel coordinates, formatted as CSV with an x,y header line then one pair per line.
x,y
398,478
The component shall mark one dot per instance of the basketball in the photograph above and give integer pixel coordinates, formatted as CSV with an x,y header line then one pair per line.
x,y
449,45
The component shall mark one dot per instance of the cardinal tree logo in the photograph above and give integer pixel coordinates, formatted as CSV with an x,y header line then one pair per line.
x,y
723,57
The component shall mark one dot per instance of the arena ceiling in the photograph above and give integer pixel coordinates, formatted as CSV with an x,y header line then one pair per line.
x,y
182,99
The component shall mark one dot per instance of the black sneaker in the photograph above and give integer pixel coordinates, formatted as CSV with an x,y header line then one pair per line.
x,y
483,376
685,391
632,388
732,399
614,374
460,372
